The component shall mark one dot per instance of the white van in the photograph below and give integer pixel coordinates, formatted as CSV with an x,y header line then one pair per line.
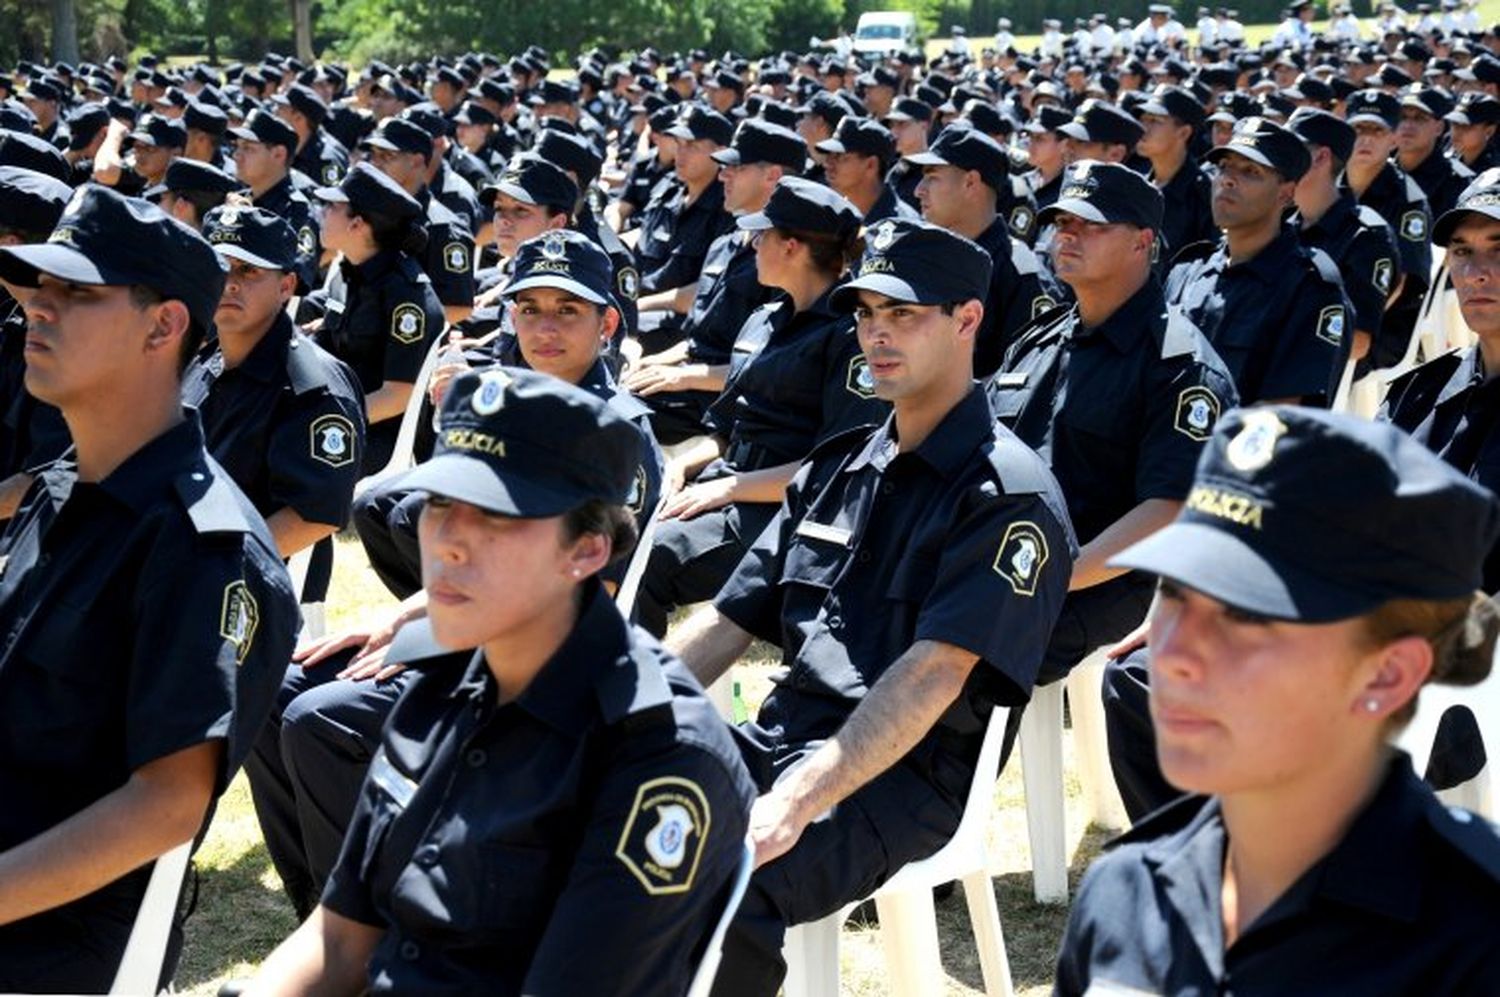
x,y
885,31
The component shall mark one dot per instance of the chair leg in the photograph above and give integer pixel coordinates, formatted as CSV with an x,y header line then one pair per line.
x,y
1042,773
908,931
984,915
1091,744
721,694
812,958
314,620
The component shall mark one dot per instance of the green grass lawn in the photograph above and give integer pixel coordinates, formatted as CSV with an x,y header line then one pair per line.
x,y
241,913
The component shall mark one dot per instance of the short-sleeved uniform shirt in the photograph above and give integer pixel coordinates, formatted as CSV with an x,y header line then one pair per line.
x,y
323,159
1407,902
448,259
1188,215
675,235
139,616
1403,205
729,290
627,279
1359,241
286,201
287,423
458,196
794,379
1017,295
576,840
1441,179
874,549
1278,320
1450,406
1121,411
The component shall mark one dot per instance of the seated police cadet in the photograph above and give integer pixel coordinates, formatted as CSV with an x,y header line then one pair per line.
x,y
965,181
1117,392
563,815
1275,312
281,415
796,378
146,608
911,579
379,309
263,149
1170,119
1282,658
855,161
311,757
191,189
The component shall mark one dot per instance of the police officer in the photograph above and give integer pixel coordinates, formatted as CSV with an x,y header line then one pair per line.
x,y
403,151
1044,150
1169,120
966,189
1100,131
680,382
572,760
191,189
1275,312
684,218
1282,658
868,578
264,147
136,547
1474,121
319,157
281,415
1116,392
796,377
856,160
379,311
1419,147
1355,237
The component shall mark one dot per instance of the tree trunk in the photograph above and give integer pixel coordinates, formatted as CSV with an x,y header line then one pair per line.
x,y
64,31
302,28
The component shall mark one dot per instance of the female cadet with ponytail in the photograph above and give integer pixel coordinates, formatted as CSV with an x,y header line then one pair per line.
x,y
1299,614
380,311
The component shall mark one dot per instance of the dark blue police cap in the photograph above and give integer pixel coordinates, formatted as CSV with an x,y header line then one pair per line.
x,y
1107,193
204,117
266,128
703,123
369,191
968,148
164,133
526,444
1475,108
532,180
105,238
572,152
252,235
430,118
1097,121
34,153
758,141
1319,127
863,137
1375,107
84,123
1176,102
553,92
918,263
825,105
31,201
798,205
304,100
1048,119
1263,141
909,109
184,175
1267,528
1481,197
400,135
564,259
16,117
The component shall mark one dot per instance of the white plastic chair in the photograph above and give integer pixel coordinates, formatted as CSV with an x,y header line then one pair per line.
x,y
406,434
140,968
908,923
314,614
1438,329
703,979
1481,793
1041,744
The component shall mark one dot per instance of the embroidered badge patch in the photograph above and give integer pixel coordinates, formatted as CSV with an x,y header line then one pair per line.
x,y
663,837
1021,557
628,283
332,440
1331,324
408,323
1414,226
1197,411
456,257
859,380
1383,276
239,616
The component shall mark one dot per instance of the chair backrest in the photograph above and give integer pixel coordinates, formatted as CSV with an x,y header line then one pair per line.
x,y
708,968
406,434
630,585
1483,700
140,968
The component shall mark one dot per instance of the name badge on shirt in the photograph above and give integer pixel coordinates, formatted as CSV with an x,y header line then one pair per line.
x,y
395,785
822,531
1011,379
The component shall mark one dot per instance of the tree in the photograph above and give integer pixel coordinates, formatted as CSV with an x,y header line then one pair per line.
x,y
64,31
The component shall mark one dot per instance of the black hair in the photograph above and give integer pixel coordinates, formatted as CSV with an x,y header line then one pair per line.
x,y
613,521
143,297
410,237
830,254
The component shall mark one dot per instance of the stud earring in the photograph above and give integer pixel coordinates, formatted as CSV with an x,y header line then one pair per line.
x,y
1372,706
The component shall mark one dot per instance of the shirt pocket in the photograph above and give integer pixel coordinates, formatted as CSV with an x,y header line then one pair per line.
x,y
510,889
815,555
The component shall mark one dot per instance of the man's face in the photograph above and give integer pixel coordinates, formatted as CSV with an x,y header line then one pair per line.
x,y
1373,144
1105,152
911,136
814,128
1045,151
252,299
1417,134
151,161
722,99
747,186
1245,192
942,195
254,162
1088,254
695,164
846,171
409,169
1162,135
82,340
1474,261
1469,141
911,348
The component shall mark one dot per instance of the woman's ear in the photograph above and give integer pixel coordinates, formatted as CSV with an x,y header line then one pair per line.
x,y
589,554
1399,669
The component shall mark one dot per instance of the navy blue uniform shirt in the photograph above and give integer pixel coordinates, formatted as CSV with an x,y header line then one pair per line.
x,y
888,205
1400,201
1408,902
448,258
1017,295
288,423
729,290
675,235
579,839
1121,411
142,615
322,159
1188,215
1279,320
285,200
1441,179
963,540
1359,241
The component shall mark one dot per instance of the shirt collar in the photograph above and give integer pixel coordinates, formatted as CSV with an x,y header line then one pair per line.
x,y
945,449
1336,217
1469,374
1123,328
1269,265
266,361
385,259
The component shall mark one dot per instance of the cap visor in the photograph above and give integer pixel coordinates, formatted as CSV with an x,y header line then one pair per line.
x,y
1153,107
926,158
20,265
559,282
726,157
1442,229
232,252
682,132
756,221
899,116
471,480
333,195
1254,155
846,297
1075,131
1222,566
1073,206
244,133
830,145
1371,119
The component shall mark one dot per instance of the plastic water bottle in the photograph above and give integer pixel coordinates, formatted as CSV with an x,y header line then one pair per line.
x,y
737,708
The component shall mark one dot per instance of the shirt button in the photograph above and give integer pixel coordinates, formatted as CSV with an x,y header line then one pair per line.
x,y
197,475
863,557
476,757
410,951
835,621
427,856
887,488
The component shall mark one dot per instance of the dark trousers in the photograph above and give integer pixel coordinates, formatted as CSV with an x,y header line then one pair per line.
x,y
905,814
307,767
691,559
77,948
1093,617
386,521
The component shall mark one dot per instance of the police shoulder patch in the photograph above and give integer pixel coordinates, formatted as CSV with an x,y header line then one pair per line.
x,y
331,439
1198,410
408,323
456,257
1022,555
1414,226
628,283
636,500
664,834
307,242
1383,275
331,173
859,381
239,616
1331,324
1041,303
1021,220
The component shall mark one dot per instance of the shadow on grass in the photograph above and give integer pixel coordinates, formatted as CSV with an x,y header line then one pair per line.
x,y
238,922
1033,931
